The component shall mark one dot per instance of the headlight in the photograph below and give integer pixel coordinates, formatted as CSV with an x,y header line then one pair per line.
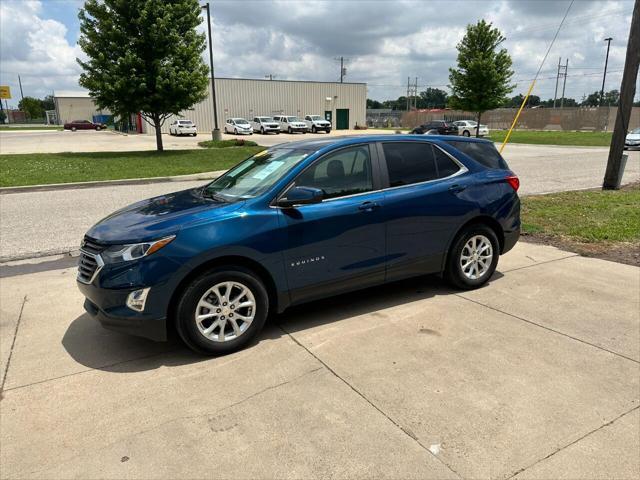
x,y
126,253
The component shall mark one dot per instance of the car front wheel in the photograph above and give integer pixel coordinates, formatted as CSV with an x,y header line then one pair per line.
x,y
473,257
222,310
466,133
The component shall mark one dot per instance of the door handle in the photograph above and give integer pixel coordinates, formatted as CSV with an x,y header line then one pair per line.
x,y
368,206
456,188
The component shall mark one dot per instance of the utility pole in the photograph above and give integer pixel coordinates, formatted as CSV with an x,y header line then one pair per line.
x,y
20,83
615,166
555,95
341,69
415,93
564,83
215,134
270,76
604,75
408,80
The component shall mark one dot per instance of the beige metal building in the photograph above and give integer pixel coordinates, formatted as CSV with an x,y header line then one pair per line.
x,y
344,104
75,105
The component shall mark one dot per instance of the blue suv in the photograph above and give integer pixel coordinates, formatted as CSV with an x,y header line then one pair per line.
x,y
298,222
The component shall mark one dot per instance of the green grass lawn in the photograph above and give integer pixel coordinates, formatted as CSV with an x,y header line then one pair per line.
x,y
585,216
587,139
46,168
5,128
236,142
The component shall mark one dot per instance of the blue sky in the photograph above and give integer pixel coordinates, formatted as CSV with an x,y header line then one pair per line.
x,y
384,41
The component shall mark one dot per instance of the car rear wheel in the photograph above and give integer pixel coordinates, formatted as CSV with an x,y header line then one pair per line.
x,y
473,257
73,129
466,133
235,131
222,310
98,128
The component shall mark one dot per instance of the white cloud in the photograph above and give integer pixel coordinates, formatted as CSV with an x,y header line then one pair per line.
x,y
35,48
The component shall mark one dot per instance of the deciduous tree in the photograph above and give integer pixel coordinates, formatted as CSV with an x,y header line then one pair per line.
x,y
143,56
482,78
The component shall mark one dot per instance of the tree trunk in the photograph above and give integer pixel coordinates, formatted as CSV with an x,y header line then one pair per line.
x,y
478,125
158,126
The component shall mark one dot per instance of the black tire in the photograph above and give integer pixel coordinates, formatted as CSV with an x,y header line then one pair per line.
x,y
185,321
313,129
289,131
453,272
235,131
466,133
328,130
262,130
195,134
98,129
73,129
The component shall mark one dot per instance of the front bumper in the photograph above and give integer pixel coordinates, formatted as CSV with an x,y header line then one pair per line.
x,y
108,306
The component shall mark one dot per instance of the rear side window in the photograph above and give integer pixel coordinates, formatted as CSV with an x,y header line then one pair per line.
x,y
483,153
415,162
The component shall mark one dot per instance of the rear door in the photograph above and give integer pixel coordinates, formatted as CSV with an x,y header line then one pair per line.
x,y
338,244
423,206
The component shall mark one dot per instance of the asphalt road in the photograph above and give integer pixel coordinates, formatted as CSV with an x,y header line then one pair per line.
x,y
531,377
54,221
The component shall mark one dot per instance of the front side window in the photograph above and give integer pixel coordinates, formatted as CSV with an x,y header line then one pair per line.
x,y
255,175
341,173
409,162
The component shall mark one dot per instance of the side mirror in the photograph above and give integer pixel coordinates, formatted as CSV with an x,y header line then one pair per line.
x,y
300,196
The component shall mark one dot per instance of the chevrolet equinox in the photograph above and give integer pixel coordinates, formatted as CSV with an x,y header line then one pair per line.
x,y
298,222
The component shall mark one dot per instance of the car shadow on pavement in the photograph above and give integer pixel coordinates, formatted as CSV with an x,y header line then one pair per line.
x,y
365,302
91,345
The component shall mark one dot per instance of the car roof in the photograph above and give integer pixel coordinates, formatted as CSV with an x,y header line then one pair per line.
x,y
317,144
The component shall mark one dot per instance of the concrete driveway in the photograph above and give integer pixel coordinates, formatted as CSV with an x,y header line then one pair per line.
x,y
534,376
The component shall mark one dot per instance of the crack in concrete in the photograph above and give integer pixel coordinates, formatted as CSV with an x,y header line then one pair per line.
x,y
404,430
531,322
187,417
517,472
13,343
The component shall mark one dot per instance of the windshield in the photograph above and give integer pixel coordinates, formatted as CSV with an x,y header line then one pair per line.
x,y
186,122
293,119
472,123
255,175
315,117
241,121
265,119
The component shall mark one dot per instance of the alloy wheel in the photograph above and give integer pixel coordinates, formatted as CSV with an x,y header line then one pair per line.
x,y
225,311
476,257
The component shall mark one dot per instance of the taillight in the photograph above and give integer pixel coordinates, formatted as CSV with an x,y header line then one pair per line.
x,y
513,181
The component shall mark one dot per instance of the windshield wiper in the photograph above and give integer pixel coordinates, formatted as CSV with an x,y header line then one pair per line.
x,y
213,196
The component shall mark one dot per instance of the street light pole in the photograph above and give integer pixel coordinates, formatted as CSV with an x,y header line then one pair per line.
x,y
215,134
604,76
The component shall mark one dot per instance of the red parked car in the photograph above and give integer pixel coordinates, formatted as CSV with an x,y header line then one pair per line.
x,y
83,125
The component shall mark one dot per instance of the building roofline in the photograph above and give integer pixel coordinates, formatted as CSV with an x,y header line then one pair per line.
x,y
290,81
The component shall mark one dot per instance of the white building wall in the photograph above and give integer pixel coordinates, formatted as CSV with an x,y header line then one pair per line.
x,y
249,98
76,108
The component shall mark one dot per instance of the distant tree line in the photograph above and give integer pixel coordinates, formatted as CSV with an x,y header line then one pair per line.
x,y
35,107
436,98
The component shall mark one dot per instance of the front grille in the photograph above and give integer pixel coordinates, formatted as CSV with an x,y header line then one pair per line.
x,y
90,263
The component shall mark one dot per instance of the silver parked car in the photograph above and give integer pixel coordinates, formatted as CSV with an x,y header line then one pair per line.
x,y
315,123
265,125
633,139
467,128
238,126
290,124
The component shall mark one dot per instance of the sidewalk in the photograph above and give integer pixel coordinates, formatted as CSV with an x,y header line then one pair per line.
x,y
536,375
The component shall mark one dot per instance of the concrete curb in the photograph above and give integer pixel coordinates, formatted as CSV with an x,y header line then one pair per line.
x,y
110,183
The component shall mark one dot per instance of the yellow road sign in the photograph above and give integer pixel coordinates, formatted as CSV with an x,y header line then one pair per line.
x,y
5,92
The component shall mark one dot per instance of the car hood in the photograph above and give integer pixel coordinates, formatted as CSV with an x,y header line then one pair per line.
x,y
633,136
158,217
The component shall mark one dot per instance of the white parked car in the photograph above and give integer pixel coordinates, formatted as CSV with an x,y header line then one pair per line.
x,y
632,140
182,127
238,126
468,128
290,124
316,123
265,125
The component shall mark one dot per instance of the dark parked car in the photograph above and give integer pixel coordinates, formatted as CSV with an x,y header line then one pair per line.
x,y
441,127
83,125
298,222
